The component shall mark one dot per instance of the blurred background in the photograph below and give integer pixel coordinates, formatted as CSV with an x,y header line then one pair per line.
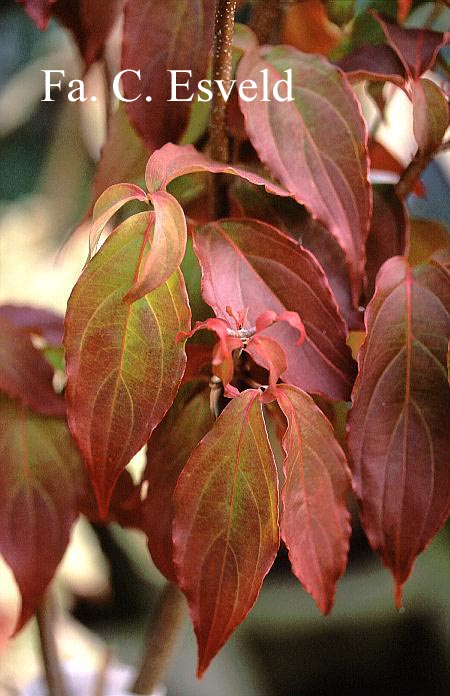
x,y
107,583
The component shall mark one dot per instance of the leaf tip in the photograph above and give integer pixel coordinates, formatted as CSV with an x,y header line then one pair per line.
x,y
205,657
327,608
201,669
323,597
398,595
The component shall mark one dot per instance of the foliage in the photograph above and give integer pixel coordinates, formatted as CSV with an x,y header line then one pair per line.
x,y
308,250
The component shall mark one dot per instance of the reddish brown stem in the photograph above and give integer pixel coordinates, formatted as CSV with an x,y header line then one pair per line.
x,y
160,640
219,145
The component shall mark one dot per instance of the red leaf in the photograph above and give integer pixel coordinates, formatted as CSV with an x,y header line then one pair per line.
x,y
198,357
107,206
389,232
268,353
40,11
168,244
162,35
325,168
315,524
269,318
290,217
246,263
172,161
222,355
40,478
25,375
377,63
430,115
416,48
399,424
35,320
124,364
226,528
168,450
90,22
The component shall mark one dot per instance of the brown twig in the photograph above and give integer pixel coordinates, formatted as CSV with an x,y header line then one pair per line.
x,y
160,640
45,616
266,19
219,145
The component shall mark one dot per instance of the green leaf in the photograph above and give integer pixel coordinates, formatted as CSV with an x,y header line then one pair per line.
x,y
226,523
426,237
430,115
108,204
124,364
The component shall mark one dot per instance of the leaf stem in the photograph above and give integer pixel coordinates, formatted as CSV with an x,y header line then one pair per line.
x,y
161,638
418,164
219,145
265,19
45,616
